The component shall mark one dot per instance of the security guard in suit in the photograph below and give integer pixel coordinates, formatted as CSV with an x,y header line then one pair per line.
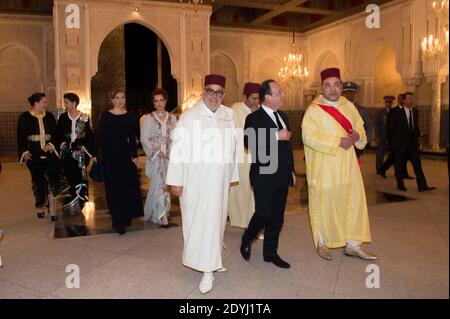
x,y
349,91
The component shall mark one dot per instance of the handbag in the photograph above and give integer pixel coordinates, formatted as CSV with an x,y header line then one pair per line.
x,y
97,172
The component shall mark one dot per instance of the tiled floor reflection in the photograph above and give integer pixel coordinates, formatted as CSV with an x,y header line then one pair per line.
x,y
374,197
94,218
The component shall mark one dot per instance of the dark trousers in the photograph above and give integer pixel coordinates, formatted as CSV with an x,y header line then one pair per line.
x,y
47,175
76,177
381,150
412,154
269,214
390,161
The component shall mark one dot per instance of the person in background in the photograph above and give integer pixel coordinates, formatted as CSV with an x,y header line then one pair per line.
x,y
404,133
349,91
156,128
241,203
116,144
36,140
390,160
76,141
381,131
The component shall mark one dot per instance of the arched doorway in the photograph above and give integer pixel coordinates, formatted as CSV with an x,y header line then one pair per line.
x,y
134,58
222,64
387,81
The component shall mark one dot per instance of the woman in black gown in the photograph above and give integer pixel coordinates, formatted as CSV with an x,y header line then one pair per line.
x,y
75,139
116,145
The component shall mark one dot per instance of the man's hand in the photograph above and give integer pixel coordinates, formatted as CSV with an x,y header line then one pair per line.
x,y
135,161
346,142
284,135
177,190
27,156
355,136
47,149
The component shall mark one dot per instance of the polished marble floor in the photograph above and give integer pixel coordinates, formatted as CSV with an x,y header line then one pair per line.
x,y
410,236
94,219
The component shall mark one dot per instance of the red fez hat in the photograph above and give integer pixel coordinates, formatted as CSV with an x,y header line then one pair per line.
x,y
215,79
251,88
330,73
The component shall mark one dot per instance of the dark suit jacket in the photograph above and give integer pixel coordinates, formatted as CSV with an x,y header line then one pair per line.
x,y
267,152
381,126
399,132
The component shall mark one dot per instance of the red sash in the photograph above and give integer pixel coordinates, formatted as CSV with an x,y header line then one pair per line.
x,y
338,116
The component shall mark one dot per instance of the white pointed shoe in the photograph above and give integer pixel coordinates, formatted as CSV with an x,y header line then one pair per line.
x,y
324,252
207,283
223,269
359,253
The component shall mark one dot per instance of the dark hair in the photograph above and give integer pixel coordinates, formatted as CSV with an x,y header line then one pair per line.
x,y
408,93
72,97
265,89
159,91
36,97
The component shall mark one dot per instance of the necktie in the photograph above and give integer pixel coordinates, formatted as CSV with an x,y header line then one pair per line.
x,y
410,122
277,118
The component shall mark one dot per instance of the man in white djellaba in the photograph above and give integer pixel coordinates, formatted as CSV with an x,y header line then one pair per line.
x,y
202,165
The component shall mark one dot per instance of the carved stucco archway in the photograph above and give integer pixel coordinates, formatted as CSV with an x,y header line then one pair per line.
x,y
223,63
325,59
184,31
27,79
365,62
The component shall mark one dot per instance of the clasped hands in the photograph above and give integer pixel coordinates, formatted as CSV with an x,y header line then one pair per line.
x,y
349,140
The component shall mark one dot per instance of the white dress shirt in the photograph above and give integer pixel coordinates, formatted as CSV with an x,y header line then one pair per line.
x,y
269,112
408,114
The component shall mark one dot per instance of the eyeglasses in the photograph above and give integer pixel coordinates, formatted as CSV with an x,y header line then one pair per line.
x,y
334,86
218,93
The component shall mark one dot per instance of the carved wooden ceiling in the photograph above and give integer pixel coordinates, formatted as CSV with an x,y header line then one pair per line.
x,y
280,15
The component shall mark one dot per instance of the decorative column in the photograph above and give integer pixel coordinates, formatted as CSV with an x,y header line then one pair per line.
x,y
435,118
309,96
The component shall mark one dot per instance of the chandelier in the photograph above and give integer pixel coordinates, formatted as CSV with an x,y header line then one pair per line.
x,y
435,46
293,69
196,3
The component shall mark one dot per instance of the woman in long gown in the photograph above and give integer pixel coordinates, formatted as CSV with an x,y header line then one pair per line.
x,y
75,139
36,140
116,144
155,139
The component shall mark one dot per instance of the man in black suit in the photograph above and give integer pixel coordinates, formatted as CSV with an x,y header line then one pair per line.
x,y
267,136
404,134
390,160
381,130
